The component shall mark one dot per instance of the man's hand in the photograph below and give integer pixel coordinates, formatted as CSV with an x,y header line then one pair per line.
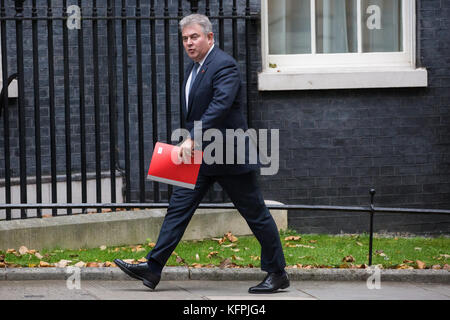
x,y
186,151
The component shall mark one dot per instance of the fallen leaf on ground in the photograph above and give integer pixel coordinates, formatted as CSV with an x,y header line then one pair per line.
x,y
10,251
179,260
225,263
143,259
407,261
235,250
80,264
31,251
62,263
110,264
197,257
230,237
44,264
92,265
151,244
292,238
102,248
359,243
418,249
436,267
445,256
236,258
420,264
196,265
228,245
2,265
130,261
348,259
211,254
38,255
446,267
403,266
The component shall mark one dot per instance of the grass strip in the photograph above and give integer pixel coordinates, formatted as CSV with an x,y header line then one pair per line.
x,y
300,250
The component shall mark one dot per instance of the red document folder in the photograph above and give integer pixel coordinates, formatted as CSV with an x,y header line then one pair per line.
x,y
166,167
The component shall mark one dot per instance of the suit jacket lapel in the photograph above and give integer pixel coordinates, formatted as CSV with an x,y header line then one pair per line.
x,y
198,78
183,90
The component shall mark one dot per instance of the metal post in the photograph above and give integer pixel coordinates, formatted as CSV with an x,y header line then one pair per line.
x,y
21,105
194,5
372,211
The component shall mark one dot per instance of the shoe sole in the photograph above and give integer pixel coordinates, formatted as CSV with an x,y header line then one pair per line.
x,y
272,291
134,276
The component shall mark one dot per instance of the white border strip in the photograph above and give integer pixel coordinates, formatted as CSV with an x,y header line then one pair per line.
x,y
174,182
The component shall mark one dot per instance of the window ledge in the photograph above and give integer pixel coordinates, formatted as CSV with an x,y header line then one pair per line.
x,y
13,91
340,78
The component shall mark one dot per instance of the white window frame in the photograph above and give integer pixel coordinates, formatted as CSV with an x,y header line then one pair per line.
x,y
343,70
13,90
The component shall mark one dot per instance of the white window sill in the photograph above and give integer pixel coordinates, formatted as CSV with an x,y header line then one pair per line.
x,y
340,78
13,91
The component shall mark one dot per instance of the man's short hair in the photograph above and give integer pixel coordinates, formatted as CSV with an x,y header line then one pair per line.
x,y
196,18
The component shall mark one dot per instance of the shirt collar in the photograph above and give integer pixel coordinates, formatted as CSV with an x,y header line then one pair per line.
x,y
203,60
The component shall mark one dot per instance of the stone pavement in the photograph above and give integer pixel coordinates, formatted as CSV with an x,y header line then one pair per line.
x,y
217,290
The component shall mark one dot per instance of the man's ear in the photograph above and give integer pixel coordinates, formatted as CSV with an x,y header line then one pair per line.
x,y
210,37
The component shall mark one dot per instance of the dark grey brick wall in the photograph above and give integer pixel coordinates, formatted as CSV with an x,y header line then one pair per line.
x,y
337,144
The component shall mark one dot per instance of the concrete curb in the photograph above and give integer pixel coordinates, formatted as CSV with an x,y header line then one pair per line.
x,y
229,274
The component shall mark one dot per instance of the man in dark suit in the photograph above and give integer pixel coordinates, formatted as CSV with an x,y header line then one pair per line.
x,y
212,95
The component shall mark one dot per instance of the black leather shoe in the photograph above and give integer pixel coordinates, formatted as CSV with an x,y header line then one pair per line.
x,y
139,271
271,283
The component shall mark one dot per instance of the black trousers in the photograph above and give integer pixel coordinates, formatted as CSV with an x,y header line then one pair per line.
x,y
245,194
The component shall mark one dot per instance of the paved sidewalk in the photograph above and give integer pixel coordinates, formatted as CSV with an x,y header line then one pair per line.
x,y
218,290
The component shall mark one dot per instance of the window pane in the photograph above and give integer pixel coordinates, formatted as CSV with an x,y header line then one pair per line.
x,y
289,26
381,25
336,26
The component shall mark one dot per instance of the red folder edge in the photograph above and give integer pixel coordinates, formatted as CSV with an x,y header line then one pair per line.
x,y
163,169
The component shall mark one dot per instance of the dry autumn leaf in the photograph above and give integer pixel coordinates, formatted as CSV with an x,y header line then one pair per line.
x,y
179,260
62,263
80,264
225,263
348,258
196,265
143,259
197,257
102,247
92,265
420,264
292,238
211,254
130,261
44,264
407,261
359,243
230,237
10,251
38,255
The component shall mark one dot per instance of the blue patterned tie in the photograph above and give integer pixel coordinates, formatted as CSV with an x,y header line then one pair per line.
x,y
194,74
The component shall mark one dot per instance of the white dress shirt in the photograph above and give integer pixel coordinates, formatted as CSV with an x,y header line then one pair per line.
x,y
188,83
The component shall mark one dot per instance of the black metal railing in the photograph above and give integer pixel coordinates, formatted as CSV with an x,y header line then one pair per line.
x,y
96,99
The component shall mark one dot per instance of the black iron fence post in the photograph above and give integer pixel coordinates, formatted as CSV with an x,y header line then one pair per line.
x,y
21,104
372,211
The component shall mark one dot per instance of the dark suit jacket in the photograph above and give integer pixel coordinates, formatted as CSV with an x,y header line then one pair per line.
x,y
215,99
